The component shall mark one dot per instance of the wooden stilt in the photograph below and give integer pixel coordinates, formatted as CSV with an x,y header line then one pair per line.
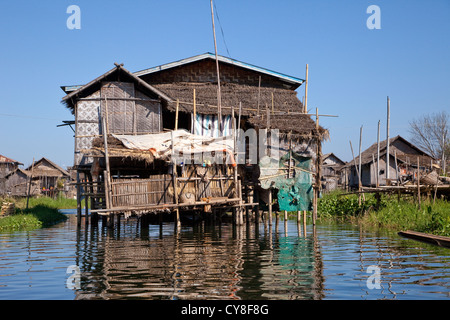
x,y
78,200
86,200
270,208
304,223
418,182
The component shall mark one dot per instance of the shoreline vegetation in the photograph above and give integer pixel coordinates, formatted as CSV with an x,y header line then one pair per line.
x,y
387,211
42,212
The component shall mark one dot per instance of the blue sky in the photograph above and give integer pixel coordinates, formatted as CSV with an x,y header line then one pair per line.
x,y
351,69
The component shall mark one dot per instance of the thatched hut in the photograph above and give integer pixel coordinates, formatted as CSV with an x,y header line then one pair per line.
x,y
403,157
7,165
47,179
182,97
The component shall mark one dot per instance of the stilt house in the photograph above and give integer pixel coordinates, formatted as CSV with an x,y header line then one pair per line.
x,y
156,140
404,158
47,179
7,166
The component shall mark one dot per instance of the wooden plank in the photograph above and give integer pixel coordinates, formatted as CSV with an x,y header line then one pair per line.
x,y
425,237
167,206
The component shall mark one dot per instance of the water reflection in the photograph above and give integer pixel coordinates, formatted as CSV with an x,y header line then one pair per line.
x,y
205,262
219,262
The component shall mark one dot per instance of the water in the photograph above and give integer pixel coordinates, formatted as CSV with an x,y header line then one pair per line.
x,y
218,263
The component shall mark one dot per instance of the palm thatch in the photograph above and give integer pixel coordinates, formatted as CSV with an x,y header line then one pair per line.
x,y
232,94
297,125
403,156
116,149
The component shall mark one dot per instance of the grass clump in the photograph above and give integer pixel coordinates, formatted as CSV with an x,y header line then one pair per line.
x,y
41,212
387,212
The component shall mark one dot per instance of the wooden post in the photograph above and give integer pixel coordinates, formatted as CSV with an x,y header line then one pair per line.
x,y
195,112
219,98
318,169
305,106
396,167
176,115
359,160
239,119
359,166
78,200
174,180
270,208
304,223
273,108
387,138
107,172
86,200
259,94
378,155
30,183
418,182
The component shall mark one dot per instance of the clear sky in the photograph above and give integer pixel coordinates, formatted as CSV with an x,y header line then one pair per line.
x,y
352,69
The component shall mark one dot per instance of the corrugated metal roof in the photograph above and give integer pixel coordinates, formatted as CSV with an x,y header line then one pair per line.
x,y
208,55
223,59
4,159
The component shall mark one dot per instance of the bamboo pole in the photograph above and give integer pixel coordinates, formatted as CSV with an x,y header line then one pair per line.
x,y
378,155
270,208
418,182
219,98
176,115
387,137
29,185
318,171
354,160
305,106
359,165
105,130
273,107
195,111
396,167
259,93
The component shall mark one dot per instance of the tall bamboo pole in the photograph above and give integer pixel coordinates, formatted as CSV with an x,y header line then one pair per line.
x,y
219,96
176,114
305,106
30,183
318,169
387,137
195,112
359,160
378,155
418,181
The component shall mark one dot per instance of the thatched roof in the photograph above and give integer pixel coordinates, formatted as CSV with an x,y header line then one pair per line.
x,y
118,73
254,102
46,167
402,157
299,125
117,149
232,94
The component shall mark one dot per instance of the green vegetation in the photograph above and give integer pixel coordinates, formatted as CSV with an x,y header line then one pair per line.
x,y
42,212
387,212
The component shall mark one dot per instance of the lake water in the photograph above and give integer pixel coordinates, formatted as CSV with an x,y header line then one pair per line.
x,y
220,262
